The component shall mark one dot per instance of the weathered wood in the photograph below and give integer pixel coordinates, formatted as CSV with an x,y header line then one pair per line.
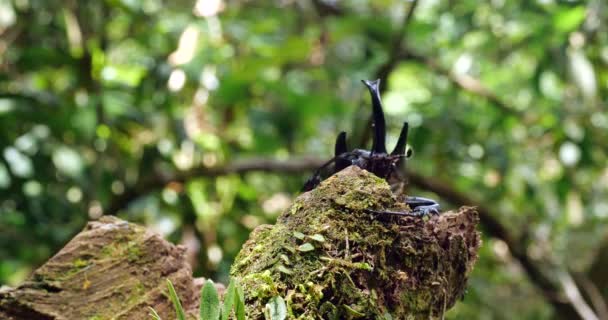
x,y
111,270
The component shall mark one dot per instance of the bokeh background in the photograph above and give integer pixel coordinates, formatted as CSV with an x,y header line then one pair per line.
x,y
202,119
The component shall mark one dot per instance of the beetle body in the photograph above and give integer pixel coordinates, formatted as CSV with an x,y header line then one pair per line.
x,y
377,160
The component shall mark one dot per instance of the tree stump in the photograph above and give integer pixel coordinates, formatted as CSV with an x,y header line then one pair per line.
x,y
111,270
330,258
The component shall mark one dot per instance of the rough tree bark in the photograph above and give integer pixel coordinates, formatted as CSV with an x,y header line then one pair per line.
x,y
327,256
111,270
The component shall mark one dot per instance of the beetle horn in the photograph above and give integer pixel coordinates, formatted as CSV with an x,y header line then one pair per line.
x,y
401,143
379,142
341,144
340,149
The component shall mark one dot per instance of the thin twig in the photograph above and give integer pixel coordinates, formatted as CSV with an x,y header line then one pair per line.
x,y
39,98
465,82
387,67
594,294
157,181
575,297
347,249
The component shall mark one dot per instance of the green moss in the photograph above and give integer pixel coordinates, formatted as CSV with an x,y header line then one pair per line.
x,y
133,251
331,259
125,248
80,263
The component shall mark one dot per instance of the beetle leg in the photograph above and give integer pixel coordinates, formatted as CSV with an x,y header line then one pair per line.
x,y
313,181
398,213
398,184
422,205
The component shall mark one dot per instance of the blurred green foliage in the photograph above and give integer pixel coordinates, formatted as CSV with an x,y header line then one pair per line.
x,y
101,100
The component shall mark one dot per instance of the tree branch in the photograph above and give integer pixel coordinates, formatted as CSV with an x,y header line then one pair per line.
x,y
593,293
40,98
396,49
575,297
158,181
550,290
326,8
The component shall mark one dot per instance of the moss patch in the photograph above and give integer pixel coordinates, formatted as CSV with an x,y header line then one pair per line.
x,y
332,259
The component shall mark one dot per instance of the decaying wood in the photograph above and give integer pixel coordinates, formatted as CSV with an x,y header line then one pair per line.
x,y
111,270
328,256
331,258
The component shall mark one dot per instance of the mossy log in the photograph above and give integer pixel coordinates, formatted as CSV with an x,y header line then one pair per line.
x,y
111,270
330,258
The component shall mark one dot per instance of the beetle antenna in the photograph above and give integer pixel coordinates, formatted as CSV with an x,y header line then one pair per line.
x,y
379,142
401,143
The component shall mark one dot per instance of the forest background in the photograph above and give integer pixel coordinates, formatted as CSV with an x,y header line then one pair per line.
x,y
202,119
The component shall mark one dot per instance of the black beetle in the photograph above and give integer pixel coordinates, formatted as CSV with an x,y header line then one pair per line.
x,y
377,160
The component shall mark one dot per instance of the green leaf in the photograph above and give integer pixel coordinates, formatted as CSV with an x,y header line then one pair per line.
x,y
276,308
239,309
299,235
351,311
306,247
363,266
154,315
285,259
124,74
566,20
284,269
179,310
317,237
210,302
229,298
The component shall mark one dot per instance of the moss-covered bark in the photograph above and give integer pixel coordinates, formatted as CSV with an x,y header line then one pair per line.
x,y
331,259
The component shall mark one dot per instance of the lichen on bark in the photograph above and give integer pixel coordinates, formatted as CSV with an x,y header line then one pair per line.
x,y
332,259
